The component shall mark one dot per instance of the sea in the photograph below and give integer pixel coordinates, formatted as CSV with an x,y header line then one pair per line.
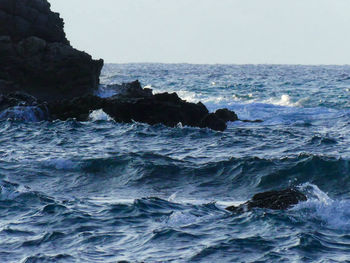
x,y
101,191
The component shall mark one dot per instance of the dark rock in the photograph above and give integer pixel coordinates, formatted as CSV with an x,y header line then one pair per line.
x,y
37,59
20,19
36,56
164,108
130,90
22,106
276,200
17,99
213,122
252,121
226,115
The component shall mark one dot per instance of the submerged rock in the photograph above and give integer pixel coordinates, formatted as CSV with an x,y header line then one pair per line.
x,y
36,57
276,200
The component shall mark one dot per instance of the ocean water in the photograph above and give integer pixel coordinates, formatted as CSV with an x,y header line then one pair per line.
x,y
101,191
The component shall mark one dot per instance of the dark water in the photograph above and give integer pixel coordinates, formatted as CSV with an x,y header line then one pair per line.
x,y
100,191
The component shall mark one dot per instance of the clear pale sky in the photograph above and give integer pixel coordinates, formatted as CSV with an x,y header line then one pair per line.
x,y
210,31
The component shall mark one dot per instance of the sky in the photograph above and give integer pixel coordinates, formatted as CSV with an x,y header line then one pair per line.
x,y
210,31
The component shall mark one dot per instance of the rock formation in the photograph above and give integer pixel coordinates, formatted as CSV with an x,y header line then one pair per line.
x,y
133,103
276,200
36,57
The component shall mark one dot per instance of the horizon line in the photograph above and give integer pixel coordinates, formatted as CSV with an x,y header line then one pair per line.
x,y
223,64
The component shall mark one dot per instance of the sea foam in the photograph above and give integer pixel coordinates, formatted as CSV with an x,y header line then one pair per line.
x,y
334,214
99,115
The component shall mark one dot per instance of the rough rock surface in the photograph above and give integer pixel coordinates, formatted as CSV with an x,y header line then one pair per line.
x,y
20,19
226,115
36,57
22,106
276,200
139,105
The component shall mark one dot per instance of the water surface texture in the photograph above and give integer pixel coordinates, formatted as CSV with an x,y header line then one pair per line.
x,y
101,191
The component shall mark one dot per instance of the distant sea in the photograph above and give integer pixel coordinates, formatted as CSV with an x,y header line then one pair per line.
x,y
101,191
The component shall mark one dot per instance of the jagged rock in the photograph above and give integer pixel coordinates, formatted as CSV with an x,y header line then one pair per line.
x,y
20,19
37,59
131,90
16,99
164,108
226,115
22,106
213,122
36,56
276,200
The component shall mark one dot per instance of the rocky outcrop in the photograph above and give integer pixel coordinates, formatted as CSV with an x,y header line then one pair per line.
x,y
136,104
275,200
226,115
36,57
20,19
16,99
20,106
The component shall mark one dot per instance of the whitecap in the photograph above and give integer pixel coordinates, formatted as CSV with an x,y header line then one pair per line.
x,y
334,214
99,115
284,100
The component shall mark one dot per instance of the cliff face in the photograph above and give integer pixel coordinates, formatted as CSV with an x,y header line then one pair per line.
x,y
20,19
36,57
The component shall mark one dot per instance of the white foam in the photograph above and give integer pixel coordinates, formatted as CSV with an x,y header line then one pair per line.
x,y
284,100
99,115
104,92
333,214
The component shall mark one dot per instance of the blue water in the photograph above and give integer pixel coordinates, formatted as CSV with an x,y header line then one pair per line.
x,y
101,191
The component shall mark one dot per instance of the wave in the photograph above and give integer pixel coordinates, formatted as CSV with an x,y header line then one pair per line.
x,y
284,100
60,164
21,195
330,213
237,177
99,115
50,258
24,113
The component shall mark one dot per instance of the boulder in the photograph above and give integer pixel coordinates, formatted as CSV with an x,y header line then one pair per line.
x,y
275,200
36,56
